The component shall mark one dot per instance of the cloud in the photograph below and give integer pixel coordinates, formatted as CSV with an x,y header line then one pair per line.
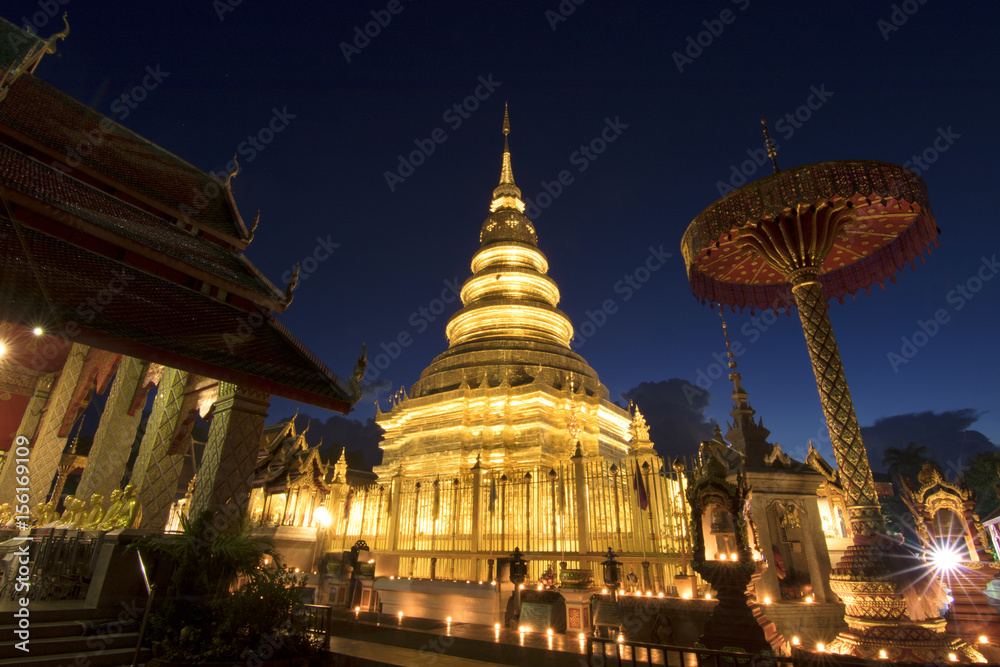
x,y
370,391
675,412
946,435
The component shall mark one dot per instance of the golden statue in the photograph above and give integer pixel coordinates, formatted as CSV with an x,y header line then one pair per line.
x,y
131,511
96,513
79,513
108,523
47,514
67,515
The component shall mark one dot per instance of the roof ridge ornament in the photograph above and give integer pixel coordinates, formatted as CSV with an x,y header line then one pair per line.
x,y
232,174
253,227
290,287
34,55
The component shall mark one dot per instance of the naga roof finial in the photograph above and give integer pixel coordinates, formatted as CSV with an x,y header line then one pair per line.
x,y
290,287
232,174
253,227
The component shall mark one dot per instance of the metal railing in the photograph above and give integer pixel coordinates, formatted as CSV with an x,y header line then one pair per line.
x,y
61,566
150,591
319,622
603,652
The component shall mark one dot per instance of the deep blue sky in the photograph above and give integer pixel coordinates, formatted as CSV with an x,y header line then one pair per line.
x,y
888,94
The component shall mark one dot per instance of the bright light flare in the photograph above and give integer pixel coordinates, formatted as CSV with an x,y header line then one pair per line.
x,y
322,517
38,331
944,558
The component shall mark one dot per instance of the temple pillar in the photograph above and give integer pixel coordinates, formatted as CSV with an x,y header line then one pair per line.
x,y
115,433
47,447
767,584
395,499
226,473
155,473
477,518
30,421
477,503
582,517
819,568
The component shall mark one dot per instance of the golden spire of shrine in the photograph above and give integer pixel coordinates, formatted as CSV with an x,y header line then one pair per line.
x,y
506,195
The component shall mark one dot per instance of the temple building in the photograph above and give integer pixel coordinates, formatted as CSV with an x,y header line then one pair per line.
x,y
124,274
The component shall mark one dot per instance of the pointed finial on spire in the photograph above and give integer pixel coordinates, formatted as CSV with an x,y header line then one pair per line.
x,y
506,173
771,150
733,375
507,194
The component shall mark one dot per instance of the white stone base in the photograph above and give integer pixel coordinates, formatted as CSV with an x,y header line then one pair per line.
x,y
464,603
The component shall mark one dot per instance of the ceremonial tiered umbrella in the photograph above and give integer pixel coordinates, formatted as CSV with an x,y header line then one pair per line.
x,y
804,236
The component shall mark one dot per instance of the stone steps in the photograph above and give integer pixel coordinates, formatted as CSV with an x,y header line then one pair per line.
x,y
71,637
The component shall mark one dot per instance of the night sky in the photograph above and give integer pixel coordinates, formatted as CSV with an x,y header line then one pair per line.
x,y
648,112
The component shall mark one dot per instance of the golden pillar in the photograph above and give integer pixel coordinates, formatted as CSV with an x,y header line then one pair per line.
x,y
582,517
115,433
47,448
155,473
226,473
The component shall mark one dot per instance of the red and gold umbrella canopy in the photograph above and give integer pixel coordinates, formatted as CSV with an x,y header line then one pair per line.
x,y
888,223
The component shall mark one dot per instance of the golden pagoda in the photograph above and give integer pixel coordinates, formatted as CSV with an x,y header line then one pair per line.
x,y
508,389
508,440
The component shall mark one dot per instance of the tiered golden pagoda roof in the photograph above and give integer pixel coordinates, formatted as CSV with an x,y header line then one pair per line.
x,y
509,326
509,389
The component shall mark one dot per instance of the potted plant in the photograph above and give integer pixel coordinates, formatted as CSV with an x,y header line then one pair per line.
x,y
223,603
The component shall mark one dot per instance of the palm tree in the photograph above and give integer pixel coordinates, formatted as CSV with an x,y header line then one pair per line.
x,y
208,561
905,464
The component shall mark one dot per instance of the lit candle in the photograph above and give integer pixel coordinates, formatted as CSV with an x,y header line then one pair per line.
x,y
983,639
882,654
708,596
621,638
722,556
767,599
795,641
549,632
659,595
582,637
821,647
953,657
